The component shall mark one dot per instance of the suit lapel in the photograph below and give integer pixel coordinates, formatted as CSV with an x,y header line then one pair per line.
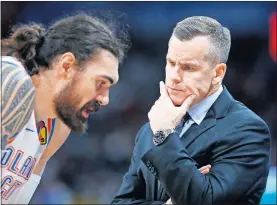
x,y
196,130
218,110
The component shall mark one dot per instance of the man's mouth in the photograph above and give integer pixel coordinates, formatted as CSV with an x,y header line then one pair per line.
x,y
87,112
174,90
91,109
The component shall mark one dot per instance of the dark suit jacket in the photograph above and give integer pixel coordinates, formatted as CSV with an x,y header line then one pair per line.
x,y
233,139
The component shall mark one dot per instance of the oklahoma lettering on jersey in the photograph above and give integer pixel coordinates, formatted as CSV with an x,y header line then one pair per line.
x,y
21,154
23,150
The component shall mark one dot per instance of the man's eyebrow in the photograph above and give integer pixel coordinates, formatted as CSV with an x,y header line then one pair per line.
x,y
168,58
108,78
190,64
183,62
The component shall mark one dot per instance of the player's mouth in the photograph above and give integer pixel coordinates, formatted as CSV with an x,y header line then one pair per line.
x,y
87,112
90,108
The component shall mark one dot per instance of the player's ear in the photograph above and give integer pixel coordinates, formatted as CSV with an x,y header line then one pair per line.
x,y
66,65
36,80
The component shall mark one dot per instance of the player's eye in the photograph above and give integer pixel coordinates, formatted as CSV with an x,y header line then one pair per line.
x,y
100,84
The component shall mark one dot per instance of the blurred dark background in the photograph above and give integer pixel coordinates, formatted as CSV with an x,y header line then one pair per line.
x,y
89,168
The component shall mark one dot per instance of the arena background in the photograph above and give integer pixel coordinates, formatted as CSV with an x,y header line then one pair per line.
x,y
89,168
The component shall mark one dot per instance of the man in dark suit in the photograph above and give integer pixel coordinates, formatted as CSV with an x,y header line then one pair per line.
x,y
196,122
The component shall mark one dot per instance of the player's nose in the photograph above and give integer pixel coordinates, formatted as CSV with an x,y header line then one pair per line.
x,y
103,98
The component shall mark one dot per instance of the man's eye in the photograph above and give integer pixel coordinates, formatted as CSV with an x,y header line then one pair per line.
x,y
171,63
188,68
100,84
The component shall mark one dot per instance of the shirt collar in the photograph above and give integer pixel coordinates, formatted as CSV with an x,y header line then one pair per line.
x,y
198,112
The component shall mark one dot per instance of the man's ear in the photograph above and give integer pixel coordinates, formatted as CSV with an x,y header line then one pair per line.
x,y
65,68
36,80
220,71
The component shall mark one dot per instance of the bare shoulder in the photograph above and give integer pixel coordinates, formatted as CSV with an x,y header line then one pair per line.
x,y
17,97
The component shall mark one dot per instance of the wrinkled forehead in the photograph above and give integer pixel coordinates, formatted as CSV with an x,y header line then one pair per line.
x,y
195,49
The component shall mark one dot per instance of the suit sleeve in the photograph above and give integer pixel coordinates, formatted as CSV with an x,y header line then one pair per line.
x,y
133,188
239,165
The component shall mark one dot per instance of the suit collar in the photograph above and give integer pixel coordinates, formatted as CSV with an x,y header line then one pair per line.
x,y
199,111
222,104
218,110
196,130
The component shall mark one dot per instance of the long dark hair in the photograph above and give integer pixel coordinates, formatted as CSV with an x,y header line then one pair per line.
x,y
80,34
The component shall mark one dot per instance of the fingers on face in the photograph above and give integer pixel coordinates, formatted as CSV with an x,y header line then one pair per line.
x,y
188,102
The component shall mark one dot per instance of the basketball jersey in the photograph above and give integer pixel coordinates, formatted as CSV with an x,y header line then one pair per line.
x,y
22,152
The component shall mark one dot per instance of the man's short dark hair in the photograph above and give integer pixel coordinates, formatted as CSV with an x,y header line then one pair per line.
x,y
80,34
205,26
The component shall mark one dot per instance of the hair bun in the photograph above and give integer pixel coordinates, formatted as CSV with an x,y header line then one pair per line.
x,y
26,38
26,41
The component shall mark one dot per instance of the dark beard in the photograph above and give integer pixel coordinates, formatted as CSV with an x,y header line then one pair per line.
x,y
67,113
67,109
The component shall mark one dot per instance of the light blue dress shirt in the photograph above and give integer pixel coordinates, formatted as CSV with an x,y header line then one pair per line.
x,y
198,112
